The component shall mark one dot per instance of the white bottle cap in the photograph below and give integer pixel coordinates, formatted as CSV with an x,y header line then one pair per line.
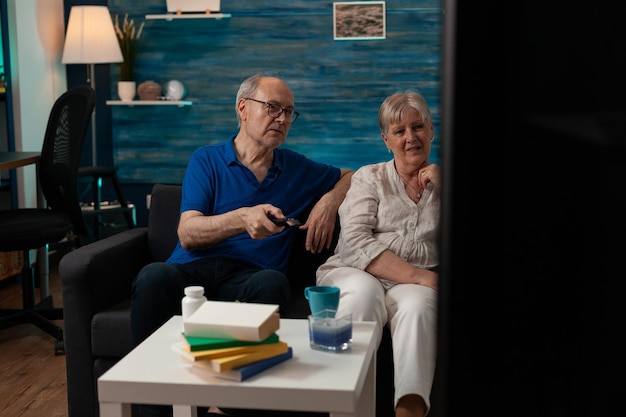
x,y
194,291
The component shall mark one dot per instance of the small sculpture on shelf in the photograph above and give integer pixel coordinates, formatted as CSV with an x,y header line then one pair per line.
x,y
149,90
174,90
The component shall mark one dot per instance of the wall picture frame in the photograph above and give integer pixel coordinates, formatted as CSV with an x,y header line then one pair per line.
x,y
198,6
359,20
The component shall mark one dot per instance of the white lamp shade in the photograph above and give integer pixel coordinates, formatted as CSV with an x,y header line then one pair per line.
x,y
90,37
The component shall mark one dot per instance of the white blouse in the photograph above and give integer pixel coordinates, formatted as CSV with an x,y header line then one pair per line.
x,y
377,214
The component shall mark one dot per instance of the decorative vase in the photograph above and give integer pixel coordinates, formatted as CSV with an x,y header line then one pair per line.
x,y
126,90
149,90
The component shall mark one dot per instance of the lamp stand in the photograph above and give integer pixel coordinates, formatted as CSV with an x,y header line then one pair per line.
x,y
92,80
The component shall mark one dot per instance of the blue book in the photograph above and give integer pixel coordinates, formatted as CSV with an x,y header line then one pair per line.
x,y
246,371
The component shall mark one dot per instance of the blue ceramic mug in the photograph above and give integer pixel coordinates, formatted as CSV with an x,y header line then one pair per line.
x,y
322,297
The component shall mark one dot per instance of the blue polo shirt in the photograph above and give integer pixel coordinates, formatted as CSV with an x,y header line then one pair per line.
x,y
216,182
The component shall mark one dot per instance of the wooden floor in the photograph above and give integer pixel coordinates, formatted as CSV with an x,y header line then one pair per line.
x,y
32,377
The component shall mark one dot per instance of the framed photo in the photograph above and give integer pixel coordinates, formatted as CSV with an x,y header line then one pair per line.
x,y
359,20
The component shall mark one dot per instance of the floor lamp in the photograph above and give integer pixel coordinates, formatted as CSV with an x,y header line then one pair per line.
x,y
90,39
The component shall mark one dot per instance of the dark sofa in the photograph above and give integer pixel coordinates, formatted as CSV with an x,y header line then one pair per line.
x,y
96,280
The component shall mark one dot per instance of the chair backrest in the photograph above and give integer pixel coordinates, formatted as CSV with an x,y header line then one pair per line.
x,y
62,147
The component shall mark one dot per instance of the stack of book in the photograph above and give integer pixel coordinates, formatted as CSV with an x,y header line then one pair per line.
x,y
233,340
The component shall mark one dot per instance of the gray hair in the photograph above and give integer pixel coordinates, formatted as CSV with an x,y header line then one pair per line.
x,y
247,89
393,109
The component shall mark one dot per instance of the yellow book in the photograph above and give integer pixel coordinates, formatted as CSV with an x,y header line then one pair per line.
x,y
227,363
241,373
198,355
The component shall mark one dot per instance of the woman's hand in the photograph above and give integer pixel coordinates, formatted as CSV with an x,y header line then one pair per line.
x,y
428,278
391,267
430,173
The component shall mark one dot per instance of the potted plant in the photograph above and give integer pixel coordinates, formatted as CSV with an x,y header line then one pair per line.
x,y
128,36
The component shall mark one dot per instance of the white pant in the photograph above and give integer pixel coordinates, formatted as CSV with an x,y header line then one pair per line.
x,y
410,310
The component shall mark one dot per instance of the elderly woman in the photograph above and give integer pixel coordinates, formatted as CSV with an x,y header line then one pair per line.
x,y
386,260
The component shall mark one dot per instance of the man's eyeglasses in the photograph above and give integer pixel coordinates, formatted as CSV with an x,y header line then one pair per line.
x,y
274,110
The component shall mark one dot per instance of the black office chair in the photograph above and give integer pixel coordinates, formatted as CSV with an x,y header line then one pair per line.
x,y
26,229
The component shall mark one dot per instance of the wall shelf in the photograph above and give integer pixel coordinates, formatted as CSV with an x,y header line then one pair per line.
x,y
148,103
172,16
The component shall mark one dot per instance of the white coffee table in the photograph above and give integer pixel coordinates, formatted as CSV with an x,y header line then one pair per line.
x,y
342,384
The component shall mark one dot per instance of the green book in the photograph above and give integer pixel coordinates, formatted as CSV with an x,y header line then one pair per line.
x,y
207,343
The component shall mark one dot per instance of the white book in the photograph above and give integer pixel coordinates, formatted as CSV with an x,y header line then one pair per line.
x,y
229,319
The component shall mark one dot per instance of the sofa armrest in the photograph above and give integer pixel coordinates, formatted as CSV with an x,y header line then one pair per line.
x,y
94,277
99,275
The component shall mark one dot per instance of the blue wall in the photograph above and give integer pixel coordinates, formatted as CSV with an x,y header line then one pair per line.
x,y
338,85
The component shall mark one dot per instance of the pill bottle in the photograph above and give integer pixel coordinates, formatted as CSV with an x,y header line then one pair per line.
x,y
193,299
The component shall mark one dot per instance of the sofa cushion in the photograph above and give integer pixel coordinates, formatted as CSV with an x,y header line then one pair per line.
x,y
111,332
163,220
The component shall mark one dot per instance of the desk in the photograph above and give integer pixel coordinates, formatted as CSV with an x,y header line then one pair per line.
x,y
343,384
12,160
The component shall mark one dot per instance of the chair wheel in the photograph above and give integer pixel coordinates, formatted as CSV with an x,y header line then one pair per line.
x,y
59,348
